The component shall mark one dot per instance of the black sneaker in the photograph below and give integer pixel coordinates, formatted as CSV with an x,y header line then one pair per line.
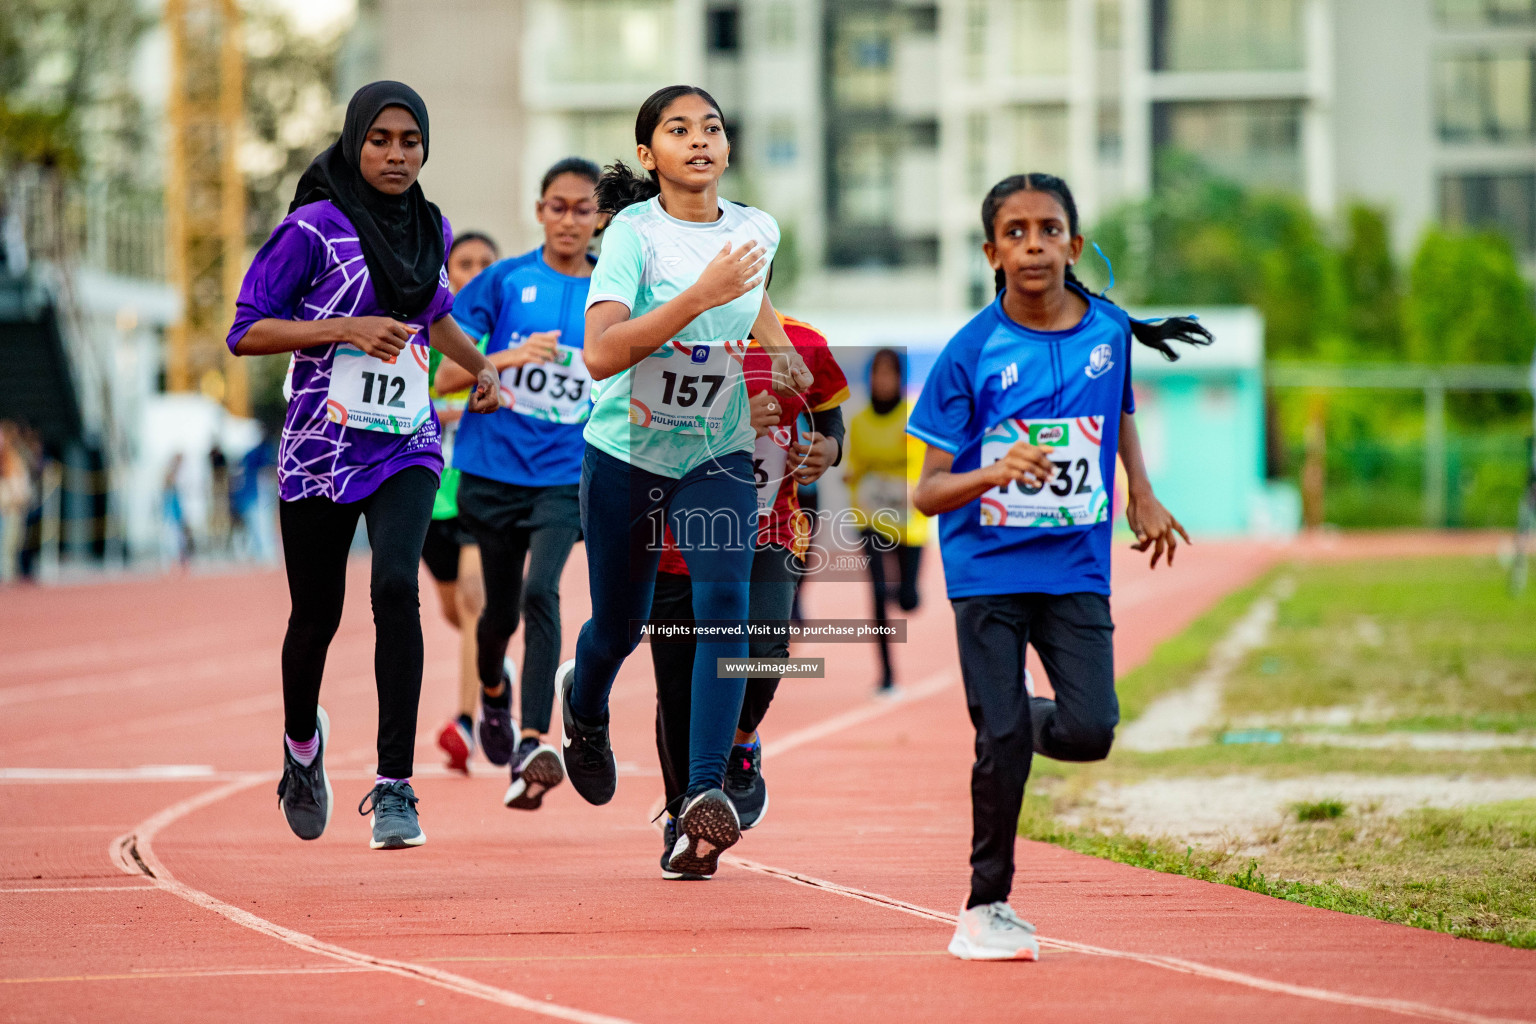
x,y
395,825
745,786
304,792
707,828
588,754
535,771
668,844
496,735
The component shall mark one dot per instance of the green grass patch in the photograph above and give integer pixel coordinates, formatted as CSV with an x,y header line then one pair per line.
x,y
1469,873
1433,644
1176,661
1318,810
1429,643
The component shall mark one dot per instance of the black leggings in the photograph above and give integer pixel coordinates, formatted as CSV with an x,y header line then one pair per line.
x,y
512,524
908,561
1074,636
317,534
775,576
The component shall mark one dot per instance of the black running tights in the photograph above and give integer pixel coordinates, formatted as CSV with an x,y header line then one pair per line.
x,y
317,534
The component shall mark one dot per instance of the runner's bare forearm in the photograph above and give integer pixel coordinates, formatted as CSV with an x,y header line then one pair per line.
x,y
272,336
449,339
1131,456
614,342
938,490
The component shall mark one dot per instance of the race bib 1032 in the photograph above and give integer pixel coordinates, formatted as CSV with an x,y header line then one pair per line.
x,y
1075,496
686,389
368,393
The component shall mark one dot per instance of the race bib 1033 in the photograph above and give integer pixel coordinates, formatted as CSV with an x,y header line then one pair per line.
x,y
686,389
368,393
1075,496
559,391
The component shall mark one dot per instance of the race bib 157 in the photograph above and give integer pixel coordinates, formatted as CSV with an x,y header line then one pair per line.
x,y
686,389
367,393
1075,496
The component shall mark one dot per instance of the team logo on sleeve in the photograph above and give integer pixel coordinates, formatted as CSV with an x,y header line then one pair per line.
x,y
530,293
1009,375
1100,361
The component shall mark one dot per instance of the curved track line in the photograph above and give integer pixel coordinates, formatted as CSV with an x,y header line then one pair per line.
x,y
1400,1006
134,854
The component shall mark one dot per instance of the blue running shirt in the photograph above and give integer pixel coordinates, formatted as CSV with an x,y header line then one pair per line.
x,y
997,382
538,442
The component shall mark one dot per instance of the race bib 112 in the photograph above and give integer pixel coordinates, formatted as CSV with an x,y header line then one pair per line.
x,y
368,393
1075,496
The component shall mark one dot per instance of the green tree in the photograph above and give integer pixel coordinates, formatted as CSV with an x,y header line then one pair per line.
x,y
290,111
65,96
1468,301
1372,288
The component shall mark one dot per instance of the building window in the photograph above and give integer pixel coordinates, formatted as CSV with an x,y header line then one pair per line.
x,y
1040,45
783,143
1477,13
603,137
922,134
1110,136
922,19
1106,24
861,60
779,28
1255,143
722,30
976,169
976,39
1040,139
1502,202
602,41
1486,97
1226,35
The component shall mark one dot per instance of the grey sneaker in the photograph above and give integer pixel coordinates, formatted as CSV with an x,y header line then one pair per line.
x,y
707,828
535,771
304,792
496,734
993,931
395,825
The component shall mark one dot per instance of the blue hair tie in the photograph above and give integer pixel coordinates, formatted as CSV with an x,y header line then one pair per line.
x,y
1107,265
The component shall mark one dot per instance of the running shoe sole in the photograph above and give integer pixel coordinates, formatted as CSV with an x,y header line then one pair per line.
x,y
454,742
707,828
963,949
541,774
396,842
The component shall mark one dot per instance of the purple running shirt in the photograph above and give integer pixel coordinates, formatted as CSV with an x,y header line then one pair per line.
x,y
311,269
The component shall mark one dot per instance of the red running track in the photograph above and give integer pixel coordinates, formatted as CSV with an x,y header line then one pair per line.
x,y
131,894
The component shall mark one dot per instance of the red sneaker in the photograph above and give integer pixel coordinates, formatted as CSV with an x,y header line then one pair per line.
x,y
457,743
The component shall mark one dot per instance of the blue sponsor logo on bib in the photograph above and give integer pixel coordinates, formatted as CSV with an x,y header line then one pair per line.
x,y
701,353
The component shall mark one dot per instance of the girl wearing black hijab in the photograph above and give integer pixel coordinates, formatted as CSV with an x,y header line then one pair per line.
x,y
352,283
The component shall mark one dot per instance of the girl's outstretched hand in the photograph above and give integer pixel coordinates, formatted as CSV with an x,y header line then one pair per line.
x,y
1153,525
731,274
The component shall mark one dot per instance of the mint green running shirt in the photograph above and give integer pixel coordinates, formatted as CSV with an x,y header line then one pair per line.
x,y
649,258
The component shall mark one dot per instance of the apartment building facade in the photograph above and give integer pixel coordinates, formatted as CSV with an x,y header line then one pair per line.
x,y
872,128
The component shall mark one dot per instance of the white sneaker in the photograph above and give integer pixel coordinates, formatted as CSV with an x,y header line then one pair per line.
x,y
993,931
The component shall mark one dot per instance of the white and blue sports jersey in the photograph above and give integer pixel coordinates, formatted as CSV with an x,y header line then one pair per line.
x,y
538,442
997,382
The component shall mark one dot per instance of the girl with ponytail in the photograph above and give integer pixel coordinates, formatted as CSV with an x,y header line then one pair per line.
x,y
1023,414
675,296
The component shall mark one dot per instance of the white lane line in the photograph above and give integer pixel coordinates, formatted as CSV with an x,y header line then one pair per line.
x,y
873,708
1404,1007
184,972
82,888
937,684
134,854
143,773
